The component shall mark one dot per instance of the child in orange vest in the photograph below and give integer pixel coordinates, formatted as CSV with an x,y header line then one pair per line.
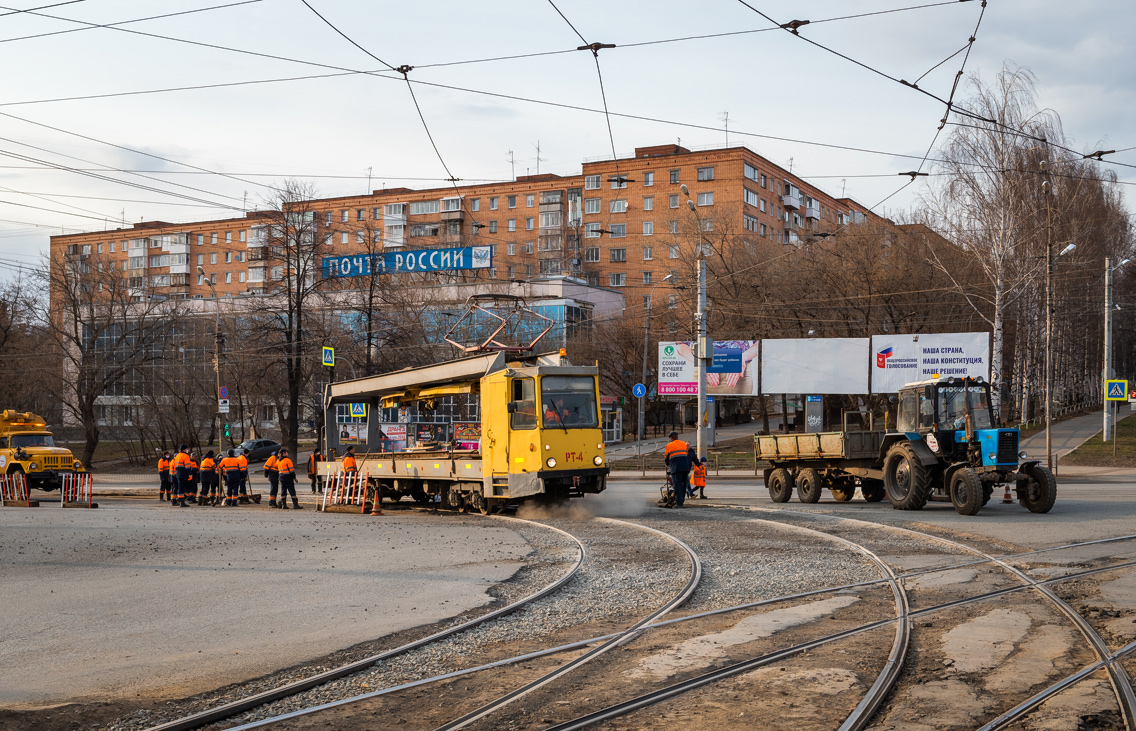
x,y
698,478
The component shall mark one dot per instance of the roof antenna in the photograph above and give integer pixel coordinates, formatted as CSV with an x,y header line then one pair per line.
x,y
725,117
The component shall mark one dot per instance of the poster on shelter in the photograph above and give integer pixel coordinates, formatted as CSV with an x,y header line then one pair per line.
x,y
734,372
901,359
350,433
815,365
392,437
467,434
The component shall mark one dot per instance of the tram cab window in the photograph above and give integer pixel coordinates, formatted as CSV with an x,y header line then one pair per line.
x,y
569,402
906,419
524,396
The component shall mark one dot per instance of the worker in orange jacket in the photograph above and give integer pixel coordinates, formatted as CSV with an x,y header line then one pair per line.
x,y
313,469
287,472
349,463
163,476
230,466
194,481
209,492
698,478
273,476
180,466
243,457
676,456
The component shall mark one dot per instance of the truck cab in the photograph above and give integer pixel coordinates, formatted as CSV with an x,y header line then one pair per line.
x,y
27,447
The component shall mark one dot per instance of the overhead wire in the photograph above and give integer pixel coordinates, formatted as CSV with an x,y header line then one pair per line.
x,y
94,26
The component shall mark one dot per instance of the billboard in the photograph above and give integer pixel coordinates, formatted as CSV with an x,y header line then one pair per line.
x,y
734,372
817,365
395,262
901,359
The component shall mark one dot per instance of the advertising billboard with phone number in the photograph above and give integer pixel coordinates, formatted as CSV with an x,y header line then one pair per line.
x,y
734,372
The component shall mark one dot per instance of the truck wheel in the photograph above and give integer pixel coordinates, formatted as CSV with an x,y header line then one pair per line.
x,y
905,478
1039,492
780,485
966,491
873,491
842,493
808,485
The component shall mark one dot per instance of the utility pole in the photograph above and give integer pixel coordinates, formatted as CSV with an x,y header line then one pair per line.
x,y
1106,432
1046,187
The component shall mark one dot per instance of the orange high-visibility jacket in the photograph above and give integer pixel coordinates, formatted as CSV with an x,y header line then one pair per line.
x,y
349,464
698,476
285,466
270,463
163,465
230,463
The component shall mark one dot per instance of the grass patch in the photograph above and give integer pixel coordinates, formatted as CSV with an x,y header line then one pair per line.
x,y
1098,453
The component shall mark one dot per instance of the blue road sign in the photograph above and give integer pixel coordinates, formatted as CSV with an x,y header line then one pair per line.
x,y
329,357
358,410
1116,390
639,390
394,262
709,399
223,393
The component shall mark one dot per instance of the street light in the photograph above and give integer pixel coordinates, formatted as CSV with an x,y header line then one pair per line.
x,y
700,316
216,345
646,344
1109,420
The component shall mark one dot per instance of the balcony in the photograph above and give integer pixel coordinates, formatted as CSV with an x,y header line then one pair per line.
x,y
791,201
812,212
453,215
179,268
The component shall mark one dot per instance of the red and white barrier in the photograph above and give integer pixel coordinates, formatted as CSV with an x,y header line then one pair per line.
x,y
77,490
14,490
345,488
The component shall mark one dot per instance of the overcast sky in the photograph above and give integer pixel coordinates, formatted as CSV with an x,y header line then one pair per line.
x,y
339,126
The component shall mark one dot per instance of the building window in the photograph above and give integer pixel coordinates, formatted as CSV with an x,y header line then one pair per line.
x,y
592,253
200,259
762,181
707,224
493,204
228,277
492,272
528,271
530,222
240,276
591,205
423,208
343,238
327,240
749,222
761,205
212,238
530,200
616,280
648,179
451,204
343,215
511,272
750,172
492,227
200,239
674,201
763,229
511,224
646,277
112,247
243,232
648,254
673,226
512,249
360,237
618,230
228,257
648,228
751,198
705,174
512,201
674,252
377,213
618,255
550,220
649,203
619,206
674,176
212,258
592,230
527,247
591,182
618,182
705,199
327,218
277,273
475,205
394,209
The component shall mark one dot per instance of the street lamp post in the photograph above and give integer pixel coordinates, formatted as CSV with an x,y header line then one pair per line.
x,y
216,346
1046,188
700,321
1109,421
646,345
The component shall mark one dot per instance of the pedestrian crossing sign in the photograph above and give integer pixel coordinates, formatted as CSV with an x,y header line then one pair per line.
x,y
329,357
359,410
1116,390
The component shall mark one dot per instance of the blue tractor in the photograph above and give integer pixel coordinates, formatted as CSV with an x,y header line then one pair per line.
x,y
946,447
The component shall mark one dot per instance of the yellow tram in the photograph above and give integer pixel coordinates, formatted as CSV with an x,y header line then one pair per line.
x,y
540,434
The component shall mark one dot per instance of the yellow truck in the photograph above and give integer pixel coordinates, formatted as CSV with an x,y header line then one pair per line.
x,y
27,447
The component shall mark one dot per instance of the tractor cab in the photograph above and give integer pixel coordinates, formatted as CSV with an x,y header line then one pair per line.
x,y
952,415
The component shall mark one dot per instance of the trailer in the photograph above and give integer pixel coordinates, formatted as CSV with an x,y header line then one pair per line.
x,y
945,448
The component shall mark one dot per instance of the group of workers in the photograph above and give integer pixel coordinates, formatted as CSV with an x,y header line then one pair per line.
x,y
183,480
686,470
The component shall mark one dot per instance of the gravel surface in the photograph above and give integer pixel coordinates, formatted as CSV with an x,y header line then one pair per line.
x,y
610,587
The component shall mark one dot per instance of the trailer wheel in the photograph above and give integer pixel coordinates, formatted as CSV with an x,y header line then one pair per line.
x,y
872,491
905,478
966,491
842,493
808,485
1039,492
780,485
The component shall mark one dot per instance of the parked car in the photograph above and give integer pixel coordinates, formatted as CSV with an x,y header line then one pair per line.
x,y
259,449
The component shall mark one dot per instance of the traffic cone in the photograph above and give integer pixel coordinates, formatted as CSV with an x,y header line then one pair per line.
x,y
1006,499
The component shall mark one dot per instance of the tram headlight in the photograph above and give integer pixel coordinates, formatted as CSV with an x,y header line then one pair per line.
x,y
597,460
551,461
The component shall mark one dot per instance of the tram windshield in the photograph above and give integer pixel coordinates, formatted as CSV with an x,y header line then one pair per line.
x,y
952,407
569,402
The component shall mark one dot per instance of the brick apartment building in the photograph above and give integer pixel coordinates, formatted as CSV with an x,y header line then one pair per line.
x,y
621,224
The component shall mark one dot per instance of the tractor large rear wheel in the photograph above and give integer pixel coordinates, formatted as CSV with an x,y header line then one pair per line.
x,y
906,480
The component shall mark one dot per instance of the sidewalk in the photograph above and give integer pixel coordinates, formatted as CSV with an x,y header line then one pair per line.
x,y
1067,435
656,444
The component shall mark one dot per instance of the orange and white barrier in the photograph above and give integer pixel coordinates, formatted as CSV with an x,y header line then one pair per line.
x,y
77,490
345,488
14,491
